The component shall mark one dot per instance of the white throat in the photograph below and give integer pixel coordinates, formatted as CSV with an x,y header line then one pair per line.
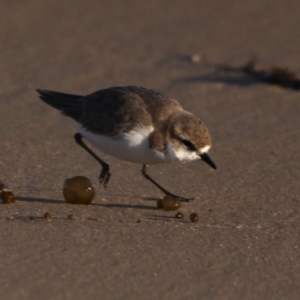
x,y
183,154
205,149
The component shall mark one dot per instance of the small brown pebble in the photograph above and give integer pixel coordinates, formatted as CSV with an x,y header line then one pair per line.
x,y
47,216
7,197
138,221
194,217
170,203
179,215
71,217
78,190
31,218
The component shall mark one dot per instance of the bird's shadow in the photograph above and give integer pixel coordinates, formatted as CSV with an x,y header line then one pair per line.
x,y
39,200
106,205
164,218
118,205
150,207
136,206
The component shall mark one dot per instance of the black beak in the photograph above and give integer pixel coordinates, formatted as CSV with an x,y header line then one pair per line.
x,y
207,159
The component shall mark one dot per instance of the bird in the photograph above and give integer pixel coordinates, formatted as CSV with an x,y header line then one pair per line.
x,y
134,124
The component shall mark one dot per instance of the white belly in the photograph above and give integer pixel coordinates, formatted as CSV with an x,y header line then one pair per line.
x,y
132,146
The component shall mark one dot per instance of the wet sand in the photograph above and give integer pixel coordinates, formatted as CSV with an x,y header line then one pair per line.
x,y
246,242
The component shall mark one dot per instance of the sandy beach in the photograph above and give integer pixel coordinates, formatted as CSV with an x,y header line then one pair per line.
x,y
246,243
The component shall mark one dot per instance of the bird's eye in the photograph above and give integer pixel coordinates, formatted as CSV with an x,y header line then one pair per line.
x,y
189,145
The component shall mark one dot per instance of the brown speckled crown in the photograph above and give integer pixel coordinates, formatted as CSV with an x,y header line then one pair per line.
x,y
185,126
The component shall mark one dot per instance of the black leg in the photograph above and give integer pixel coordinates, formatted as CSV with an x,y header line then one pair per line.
x,y
105,173
147,176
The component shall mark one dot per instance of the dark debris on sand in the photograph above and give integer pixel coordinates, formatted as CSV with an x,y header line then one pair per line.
x,y
274,75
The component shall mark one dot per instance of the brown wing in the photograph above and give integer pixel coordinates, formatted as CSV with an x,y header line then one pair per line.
x,y
119,109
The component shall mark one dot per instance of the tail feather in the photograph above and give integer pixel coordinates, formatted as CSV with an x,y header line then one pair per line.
x,y
70,105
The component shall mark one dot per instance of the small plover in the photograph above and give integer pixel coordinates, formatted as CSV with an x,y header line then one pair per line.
x,y
134,124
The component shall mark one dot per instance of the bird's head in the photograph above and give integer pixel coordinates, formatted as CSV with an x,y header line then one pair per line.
x,y
189,139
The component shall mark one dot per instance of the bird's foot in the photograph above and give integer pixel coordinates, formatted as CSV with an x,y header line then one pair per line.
x,y
104,177
182,199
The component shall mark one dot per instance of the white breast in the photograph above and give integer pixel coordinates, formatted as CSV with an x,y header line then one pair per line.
x,y
132,146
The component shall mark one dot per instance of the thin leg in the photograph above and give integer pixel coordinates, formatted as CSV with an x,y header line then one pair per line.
x,y
147,176
2,186
105,173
